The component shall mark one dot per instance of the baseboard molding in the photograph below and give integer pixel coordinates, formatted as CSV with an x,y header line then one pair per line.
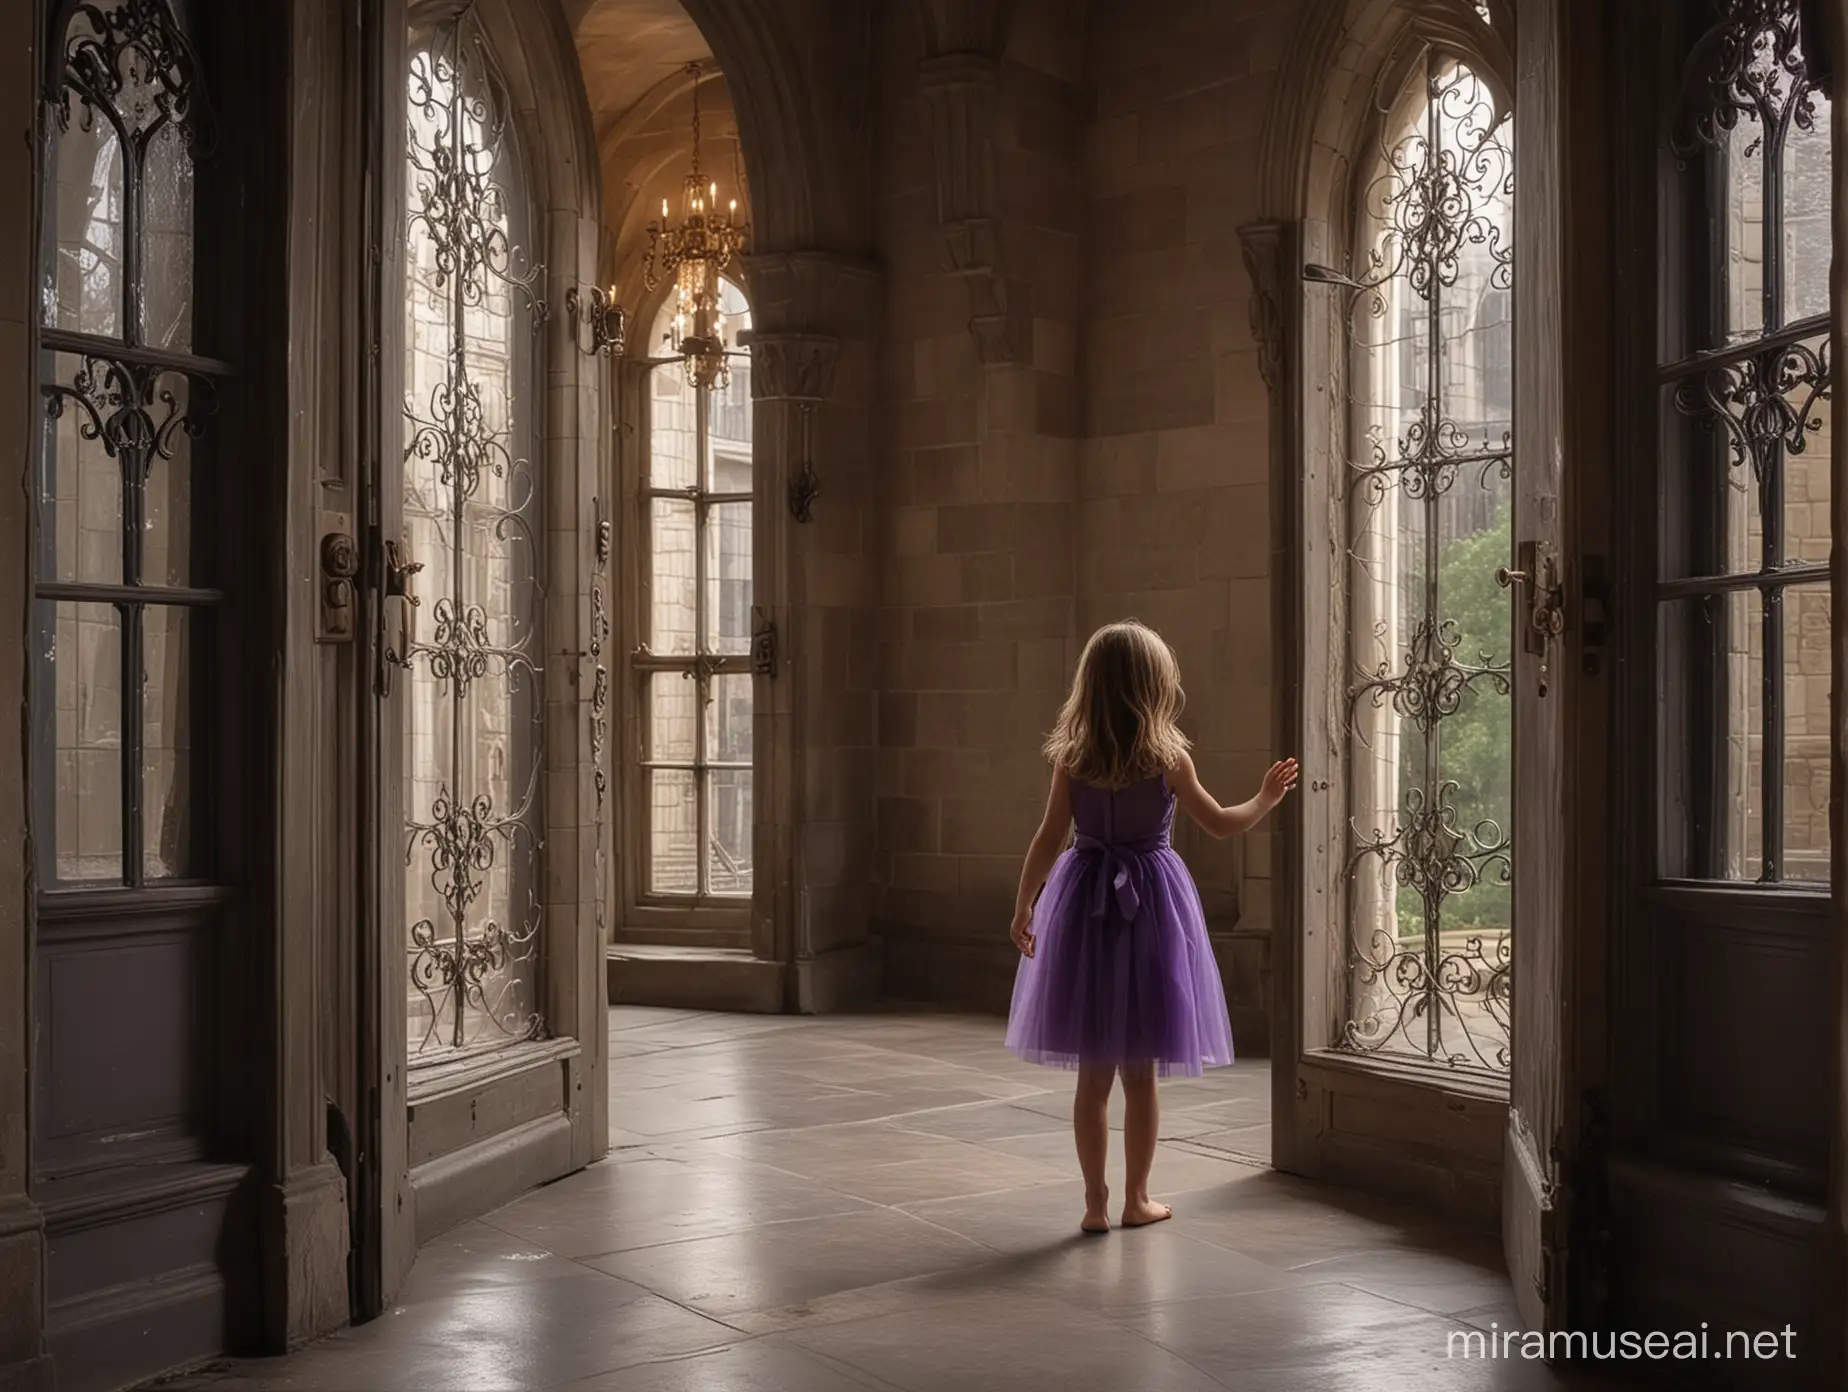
x,y
968,973
688,978
124,1335
482,1177
1706,1247
847,979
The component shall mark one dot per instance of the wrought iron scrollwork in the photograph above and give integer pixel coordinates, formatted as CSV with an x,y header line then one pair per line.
x,y
131,409
1442,187
1428,493
1751,67
1768,402
468,962
471,498
1433,683
132,62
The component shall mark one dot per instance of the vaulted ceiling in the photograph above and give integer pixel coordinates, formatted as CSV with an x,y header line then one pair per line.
x,y
634,55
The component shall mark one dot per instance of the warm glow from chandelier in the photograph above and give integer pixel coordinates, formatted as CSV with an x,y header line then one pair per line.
x,y
693,254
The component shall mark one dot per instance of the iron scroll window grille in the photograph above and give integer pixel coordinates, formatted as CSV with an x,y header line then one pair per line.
x,y
1428,498
1743,605
127,593
474,701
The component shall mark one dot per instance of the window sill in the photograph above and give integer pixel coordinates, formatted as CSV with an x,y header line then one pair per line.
x,y
1475,1085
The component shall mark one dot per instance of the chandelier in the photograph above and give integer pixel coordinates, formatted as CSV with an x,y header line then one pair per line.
x,y
693,254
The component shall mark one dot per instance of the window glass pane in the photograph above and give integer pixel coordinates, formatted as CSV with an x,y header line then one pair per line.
x,y
1428,491
673,829
1807,490
673,432
167,191
1740,164
728,719
673,707
167,635
728,846
728,429
81,493
168,555
83,287
1711,519
728,578
473,710
83,649
673,588
1712,736
1806,733
1808,236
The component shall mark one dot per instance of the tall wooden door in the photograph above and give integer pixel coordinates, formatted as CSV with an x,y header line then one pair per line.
x,y
1531,1215
1723,1011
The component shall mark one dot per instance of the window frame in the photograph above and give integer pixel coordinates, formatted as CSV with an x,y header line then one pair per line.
x,y
456,648
702,918
123,363
1484,965
1690,350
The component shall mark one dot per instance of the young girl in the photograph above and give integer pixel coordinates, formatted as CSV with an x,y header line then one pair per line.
x,y
1116,974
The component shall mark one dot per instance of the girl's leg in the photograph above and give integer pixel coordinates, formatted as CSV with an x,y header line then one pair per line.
x,y
1091,1127
1141,1125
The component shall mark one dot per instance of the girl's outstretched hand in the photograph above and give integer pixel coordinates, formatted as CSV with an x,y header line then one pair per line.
x,y
1022,933
1278,780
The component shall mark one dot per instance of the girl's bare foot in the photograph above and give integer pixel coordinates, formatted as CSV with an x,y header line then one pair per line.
x,y
1139,1213
1096,1214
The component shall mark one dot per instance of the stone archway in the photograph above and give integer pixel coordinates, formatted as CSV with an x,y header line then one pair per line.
x,y
795,106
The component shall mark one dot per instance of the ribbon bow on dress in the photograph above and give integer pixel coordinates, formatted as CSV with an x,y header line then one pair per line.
x,y
1122,872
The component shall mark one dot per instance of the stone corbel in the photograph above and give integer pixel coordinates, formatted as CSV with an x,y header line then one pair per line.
x,y
958,97
1262,244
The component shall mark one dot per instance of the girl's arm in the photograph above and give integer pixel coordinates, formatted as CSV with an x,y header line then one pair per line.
x,y
1221,822
1041,854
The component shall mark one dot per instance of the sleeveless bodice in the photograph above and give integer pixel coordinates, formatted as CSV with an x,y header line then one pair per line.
x,y
1121,828
1131,816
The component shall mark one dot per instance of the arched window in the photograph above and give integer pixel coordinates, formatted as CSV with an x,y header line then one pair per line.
x,y
473,493
1428,496
693,665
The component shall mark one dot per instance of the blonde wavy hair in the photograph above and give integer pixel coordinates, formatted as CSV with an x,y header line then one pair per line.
x,y
1118,724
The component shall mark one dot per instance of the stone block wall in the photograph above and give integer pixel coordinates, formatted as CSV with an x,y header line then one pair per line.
x,y
979,220
1074,434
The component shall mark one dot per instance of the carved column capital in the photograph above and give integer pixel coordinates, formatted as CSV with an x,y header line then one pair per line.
x,y
793,366
1263,244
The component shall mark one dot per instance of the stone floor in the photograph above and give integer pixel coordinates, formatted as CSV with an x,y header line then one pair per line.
x,y
828,1205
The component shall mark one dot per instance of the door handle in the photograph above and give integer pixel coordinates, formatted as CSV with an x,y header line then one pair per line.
x,y
398,572
1538,581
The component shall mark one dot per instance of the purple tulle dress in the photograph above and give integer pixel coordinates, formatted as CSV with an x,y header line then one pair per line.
x,y
1122,971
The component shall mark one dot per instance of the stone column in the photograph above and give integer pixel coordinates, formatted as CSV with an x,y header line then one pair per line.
x,y
815,587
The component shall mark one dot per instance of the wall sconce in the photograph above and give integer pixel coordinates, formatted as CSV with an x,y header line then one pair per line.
x,y
804,487
598,311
